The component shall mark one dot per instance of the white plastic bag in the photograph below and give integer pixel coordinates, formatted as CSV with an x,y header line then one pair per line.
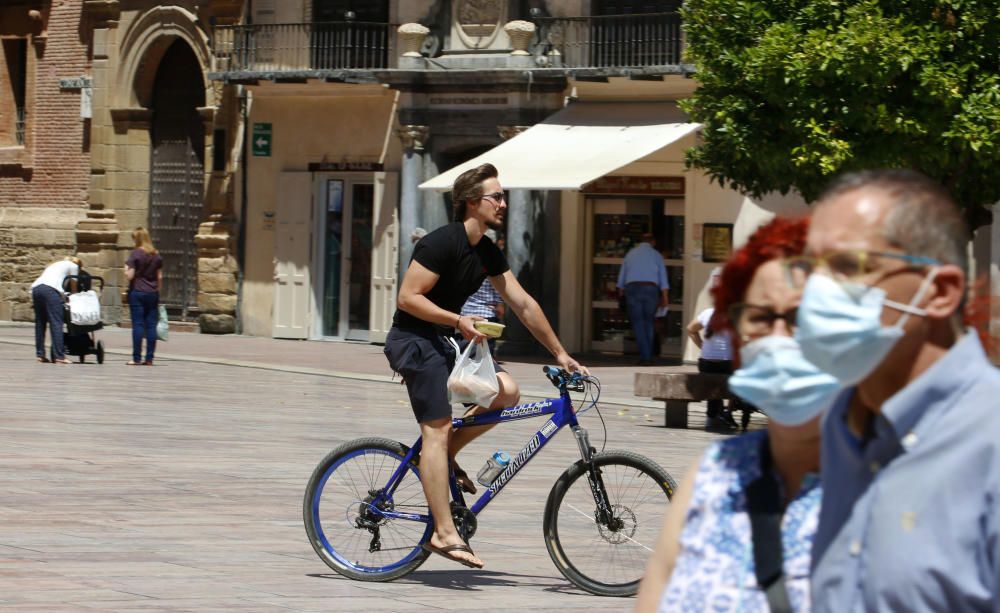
x,y
474,379
162,324
84,308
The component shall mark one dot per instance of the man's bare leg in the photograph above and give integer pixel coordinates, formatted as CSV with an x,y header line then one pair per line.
x,y
434,478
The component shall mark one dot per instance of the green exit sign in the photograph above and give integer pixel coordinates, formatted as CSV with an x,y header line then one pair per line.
x,y
261,140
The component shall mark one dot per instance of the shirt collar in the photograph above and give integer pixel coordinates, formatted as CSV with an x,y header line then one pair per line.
x,y
937,388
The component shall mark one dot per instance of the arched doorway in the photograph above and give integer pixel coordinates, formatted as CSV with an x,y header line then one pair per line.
x,y
177,175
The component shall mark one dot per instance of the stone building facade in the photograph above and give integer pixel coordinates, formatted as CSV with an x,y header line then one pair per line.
x,y
161,151
44,143
109,123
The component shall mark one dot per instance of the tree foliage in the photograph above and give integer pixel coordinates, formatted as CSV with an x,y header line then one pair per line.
x,y
792,92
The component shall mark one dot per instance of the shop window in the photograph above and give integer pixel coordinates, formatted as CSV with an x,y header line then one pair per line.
x,y
13,86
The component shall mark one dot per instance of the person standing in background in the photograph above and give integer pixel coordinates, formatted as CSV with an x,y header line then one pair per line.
x,y
643,279
487,302
144,271
716,356
49,302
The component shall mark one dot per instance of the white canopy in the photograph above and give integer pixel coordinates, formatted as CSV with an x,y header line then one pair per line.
x,y
578,144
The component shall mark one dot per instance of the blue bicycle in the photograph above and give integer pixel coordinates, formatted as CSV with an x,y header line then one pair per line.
x,y
366,515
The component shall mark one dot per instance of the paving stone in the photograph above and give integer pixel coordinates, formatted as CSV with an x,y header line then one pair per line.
x,y
179,487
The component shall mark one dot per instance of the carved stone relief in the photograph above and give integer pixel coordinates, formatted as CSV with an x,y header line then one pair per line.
x,y
478,21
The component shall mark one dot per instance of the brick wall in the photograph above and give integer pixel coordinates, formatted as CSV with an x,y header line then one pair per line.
x,y
43,185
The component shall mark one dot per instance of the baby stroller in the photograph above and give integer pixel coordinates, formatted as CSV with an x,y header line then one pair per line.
x,y
83,318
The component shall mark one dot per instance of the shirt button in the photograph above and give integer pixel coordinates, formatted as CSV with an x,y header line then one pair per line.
x,y
909,440
855,548
874,466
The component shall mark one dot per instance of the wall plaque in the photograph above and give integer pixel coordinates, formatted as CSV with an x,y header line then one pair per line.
x,y
717,242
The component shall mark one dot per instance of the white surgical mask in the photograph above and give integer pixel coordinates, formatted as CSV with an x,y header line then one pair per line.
x,y
780,382
840,325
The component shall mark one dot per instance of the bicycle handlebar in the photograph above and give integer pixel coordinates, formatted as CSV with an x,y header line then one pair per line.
x,y
561,378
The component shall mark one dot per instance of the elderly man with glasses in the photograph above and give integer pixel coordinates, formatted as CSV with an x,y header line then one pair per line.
x,y
910,462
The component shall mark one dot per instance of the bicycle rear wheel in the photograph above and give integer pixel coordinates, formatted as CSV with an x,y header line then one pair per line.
x,y
607,560
338,517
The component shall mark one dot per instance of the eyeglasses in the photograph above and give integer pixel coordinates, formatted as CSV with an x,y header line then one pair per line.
x,y
846,265
497,197
754,320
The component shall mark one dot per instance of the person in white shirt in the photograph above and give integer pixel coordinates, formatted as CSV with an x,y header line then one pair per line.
x,y
48,300
716,357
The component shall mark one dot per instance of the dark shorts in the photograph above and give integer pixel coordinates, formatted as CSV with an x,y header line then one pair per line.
x,y
424,360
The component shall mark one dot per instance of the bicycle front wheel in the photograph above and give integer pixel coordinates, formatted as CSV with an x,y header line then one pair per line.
x,y
609,558
340,511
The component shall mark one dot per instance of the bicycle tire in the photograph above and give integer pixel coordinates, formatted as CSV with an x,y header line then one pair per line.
x,y
322,524
575,545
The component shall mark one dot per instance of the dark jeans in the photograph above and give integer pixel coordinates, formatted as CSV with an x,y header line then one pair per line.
x,y
719,367
641,301
143,306
49,308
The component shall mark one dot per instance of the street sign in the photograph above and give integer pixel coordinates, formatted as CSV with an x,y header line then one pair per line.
x,y
261,140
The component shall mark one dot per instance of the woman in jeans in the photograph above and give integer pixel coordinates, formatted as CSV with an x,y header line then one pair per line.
x,y
144,271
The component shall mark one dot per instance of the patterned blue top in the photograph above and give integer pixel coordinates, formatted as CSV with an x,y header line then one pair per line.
x,y
714,570
484,302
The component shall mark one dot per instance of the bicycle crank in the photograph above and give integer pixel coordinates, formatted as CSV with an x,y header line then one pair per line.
x,y
465,521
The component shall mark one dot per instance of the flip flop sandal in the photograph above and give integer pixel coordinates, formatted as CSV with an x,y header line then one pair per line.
x,y
62,361
42,360
464,481
446,552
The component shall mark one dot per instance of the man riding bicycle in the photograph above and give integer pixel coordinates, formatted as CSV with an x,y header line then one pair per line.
x,y
448,266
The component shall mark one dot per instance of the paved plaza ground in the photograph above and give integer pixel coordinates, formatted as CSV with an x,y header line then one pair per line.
x,y
179,487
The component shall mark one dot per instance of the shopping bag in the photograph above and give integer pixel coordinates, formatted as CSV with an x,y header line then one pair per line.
x,y
84,308
474,378
162,325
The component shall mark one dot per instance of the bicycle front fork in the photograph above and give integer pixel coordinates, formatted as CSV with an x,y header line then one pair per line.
x,y
604,514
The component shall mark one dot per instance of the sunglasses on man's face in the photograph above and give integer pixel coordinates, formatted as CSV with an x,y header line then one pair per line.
x,y
497,197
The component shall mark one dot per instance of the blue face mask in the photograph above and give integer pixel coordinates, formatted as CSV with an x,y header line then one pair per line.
x,y
840,325
780,382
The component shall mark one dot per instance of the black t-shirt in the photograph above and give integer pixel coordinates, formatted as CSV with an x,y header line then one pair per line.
x,y
460,266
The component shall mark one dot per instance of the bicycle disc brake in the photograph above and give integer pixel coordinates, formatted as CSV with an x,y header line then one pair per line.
x,y
622,526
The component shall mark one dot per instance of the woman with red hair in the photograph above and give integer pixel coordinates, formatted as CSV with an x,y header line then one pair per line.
x,y
739,531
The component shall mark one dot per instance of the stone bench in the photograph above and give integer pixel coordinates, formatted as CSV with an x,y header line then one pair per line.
x,y
677,386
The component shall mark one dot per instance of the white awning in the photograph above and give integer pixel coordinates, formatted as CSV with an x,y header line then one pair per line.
x,y
578,144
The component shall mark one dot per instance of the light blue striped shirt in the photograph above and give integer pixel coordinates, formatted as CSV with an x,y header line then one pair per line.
x,y
643,263
910,518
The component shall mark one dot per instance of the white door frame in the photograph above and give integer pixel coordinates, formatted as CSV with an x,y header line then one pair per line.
x,y
320,180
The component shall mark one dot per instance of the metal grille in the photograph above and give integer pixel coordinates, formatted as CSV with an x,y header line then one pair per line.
x,y
19,123
175,212
613,40
177,174
304,46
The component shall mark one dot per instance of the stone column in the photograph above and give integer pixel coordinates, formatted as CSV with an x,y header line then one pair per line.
x,y
216,276
413,139
520,216
97,246
522,248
